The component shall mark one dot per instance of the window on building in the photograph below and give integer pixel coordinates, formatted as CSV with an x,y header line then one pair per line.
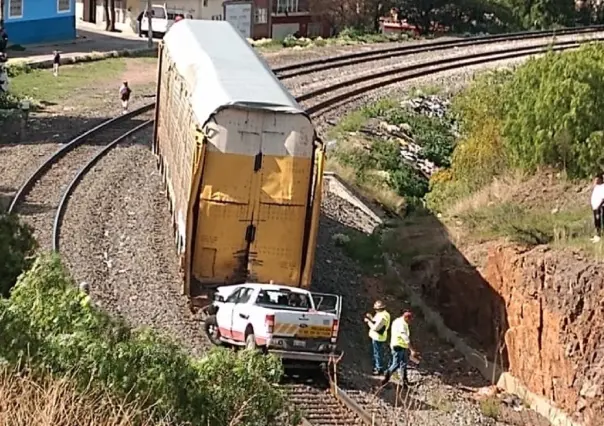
x,y
63,5
216,17
261,16
15,8
205,3
286,6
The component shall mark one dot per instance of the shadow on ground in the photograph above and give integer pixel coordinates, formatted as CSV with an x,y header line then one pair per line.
x,y
43,126
447,282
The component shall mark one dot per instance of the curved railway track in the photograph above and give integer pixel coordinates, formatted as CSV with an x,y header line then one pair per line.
x,y
45,189
322,402
322,64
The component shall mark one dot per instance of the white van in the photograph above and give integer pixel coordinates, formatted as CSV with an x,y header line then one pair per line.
x,y
162,19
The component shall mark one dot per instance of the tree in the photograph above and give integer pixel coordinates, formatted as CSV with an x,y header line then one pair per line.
x,y
17,246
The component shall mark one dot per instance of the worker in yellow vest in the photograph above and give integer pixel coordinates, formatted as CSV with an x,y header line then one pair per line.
x,y
378,332
400,343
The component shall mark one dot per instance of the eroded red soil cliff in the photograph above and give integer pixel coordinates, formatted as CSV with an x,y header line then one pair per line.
x,y
540,310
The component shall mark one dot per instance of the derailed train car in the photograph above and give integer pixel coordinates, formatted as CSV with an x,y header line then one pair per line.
x,y
240,159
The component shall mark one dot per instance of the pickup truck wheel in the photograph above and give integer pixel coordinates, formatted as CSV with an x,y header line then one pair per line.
x,y
250,342
211,329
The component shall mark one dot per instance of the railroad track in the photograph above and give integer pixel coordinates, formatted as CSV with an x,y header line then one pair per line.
x,y
323,403
346,90
322,64
48,188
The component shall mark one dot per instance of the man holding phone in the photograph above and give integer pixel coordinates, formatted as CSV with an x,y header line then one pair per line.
x,y
378,333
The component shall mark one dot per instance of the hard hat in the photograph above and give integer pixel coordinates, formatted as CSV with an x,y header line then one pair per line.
x,y
379,305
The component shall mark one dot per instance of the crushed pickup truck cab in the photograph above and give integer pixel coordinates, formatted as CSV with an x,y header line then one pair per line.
x,y
289,322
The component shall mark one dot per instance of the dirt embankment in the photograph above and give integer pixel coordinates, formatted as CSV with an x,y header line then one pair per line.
x,y
538,312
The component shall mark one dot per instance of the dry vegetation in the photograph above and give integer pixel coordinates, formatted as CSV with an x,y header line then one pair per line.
x,y
48,401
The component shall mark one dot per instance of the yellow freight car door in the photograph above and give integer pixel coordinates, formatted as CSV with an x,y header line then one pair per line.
x,y
253,198
226,202
283,194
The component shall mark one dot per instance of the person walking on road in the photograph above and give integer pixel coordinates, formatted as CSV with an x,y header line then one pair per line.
x,y
400,343
378,333
597,205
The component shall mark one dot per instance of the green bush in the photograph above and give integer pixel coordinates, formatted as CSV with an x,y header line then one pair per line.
x,y
17,246
365,249
384,157
47,324
546,113
444,191
484,99
553,112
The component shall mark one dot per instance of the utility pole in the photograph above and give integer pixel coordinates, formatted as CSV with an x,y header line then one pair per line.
x,y
149,13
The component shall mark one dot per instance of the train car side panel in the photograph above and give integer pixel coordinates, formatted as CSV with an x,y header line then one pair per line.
x,y
313,230
176,144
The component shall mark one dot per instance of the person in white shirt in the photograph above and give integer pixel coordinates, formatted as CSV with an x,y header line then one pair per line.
x,y
378,333
597,205
400,343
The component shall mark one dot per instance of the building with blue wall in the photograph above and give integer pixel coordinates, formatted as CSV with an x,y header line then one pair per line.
x,y
39,21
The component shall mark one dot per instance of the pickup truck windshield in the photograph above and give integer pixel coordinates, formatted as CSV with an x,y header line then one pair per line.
x,y
284,299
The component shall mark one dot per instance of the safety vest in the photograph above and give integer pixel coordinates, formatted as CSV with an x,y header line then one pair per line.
x,y
383,336
400,333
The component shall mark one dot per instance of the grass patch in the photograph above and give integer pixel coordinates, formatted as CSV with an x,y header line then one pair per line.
x,y
365,249
49,325
42,85
490,407
354,121
373,189
528,226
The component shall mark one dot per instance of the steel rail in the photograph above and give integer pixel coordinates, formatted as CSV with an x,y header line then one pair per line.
x,y
421,70
56,231
338,407
66,149
315,65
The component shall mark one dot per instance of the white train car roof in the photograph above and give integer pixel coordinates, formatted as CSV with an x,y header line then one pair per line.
x,y
222,70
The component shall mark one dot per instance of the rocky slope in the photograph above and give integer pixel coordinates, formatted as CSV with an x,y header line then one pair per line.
x,y
536,311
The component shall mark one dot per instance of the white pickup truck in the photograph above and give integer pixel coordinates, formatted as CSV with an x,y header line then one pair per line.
x,y
289,322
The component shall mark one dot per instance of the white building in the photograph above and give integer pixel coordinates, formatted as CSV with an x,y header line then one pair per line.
x,y
126,11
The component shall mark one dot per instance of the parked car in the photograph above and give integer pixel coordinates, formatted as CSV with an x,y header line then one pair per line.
x,y
162,18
